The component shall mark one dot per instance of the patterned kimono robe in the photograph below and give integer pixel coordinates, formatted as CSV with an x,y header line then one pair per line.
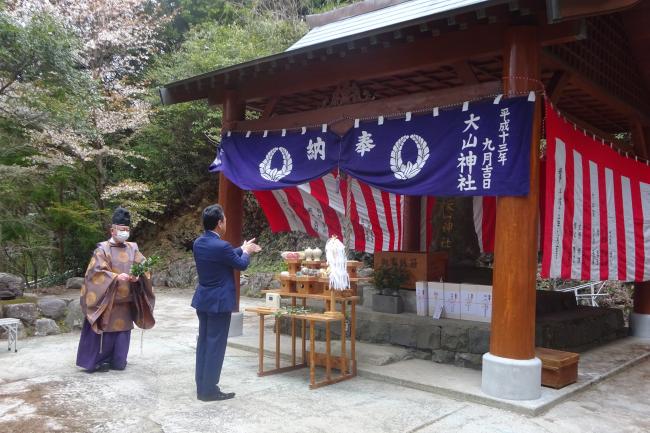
x,y
107,304
106,301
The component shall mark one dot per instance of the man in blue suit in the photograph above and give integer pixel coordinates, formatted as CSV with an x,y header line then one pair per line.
x,y
215,299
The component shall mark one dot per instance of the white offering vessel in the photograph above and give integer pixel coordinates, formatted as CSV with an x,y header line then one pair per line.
x,y
317,253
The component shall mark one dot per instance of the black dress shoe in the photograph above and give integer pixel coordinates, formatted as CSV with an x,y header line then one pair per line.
x,y
217,396
103,367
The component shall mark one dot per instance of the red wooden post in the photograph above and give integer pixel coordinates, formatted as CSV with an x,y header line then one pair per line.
x,y
640,318
231,197
411,223
511,370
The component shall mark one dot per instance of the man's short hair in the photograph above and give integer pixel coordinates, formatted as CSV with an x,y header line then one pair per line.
x,y
212,215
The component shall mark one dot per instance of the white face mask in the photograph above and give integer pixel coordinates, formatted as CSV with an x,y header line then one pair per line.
x,y
121,235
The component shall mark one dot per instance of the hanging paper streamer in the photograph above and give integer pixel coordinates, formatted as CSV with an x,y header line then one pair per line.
x,y
337,262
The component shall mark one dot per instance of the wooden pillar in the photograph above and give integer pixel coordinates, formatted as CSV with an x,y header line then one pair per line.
x,y
411,223
515,251
231,197
641,142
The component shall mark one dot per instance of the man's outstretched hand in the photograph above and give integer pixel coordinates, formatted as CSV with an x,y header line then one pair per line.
x,y
250,247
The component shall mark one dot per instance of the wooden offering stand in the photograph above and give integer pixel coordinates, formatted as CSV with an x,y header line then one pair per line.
x,y
346,365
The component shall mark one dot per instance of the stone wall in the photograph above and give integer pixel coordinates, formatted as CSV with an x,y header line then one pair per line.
x,y
45,316
463,343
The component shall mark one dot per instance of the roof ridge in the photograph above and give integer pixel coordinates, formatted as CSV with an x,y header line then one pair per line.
x,y
349,11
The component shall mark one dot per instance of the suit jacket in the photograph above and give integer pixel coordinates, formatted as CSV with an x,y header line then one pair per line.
x,y
216,260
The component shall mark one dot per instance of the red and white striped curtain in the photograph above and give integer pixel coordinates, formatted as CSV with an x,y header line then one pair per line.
x,y
597,225
318,208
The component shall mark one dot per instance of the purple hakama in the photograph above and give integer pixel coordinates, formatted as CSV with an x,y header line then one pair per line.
x,y
114,348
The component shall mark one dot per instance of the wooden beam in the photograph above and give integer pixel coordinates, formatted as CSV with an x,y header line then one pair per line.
x,y
570,9
329,69
558,82
398,104
448,48
411,225
269,107
596,90
639,137
465,72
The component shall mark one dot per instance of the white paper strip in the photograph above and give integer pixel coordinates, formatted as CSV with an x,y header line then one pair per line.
x,y
465,105
407,117
498,98
248,134
380,120
356,123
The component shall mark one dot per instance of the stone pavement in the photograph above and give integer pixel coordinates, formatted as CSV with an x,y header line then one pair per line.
x,y
41,390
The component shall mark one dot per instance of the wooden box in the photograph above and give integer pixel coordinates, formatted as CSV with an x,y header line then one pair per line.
x,y
307,285
287,284
559,368
421,266
293,265
353,268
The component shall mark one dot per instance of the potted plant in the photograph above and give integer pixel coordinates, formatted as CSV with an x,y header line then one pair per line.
x,y
388,280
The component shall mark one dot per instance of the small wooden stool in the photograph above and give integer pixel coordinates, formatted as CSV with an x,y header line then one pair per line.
x,y
559,369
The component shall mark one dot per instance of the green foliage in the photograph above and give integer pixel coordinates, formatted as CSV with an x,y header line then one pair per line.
x,y
390,278
40,78
73,146
147,265
288,310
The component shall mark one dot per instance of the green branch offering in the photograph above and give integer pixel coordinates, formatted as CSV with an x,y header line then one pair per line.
x,y
139,269
292,310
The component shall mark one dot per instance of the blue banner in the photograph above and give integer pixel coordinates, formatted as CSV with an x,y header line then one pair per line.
x,y
479,149
258,162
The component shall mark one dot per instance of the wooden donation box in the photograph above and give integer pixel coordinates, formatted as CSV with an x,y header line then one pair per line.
x,y
421,266
559,369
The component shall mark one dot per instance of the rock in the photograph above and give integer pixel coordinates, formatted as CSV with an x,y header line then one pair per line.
x,y
53,308
46,327
420,354
25,312
257,282
443,356
11,286
182,273
22,332
74,318
159,279
403,335
455,339
74,283
469,360
427,337
365,272
479,340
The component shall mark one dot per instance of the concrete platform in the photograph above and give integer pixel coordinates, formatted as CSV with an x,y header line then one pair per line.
x,y
394,364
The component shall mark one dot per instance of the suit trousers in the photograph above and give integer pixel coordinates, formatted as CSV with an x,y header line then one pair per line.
x,y
210,350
